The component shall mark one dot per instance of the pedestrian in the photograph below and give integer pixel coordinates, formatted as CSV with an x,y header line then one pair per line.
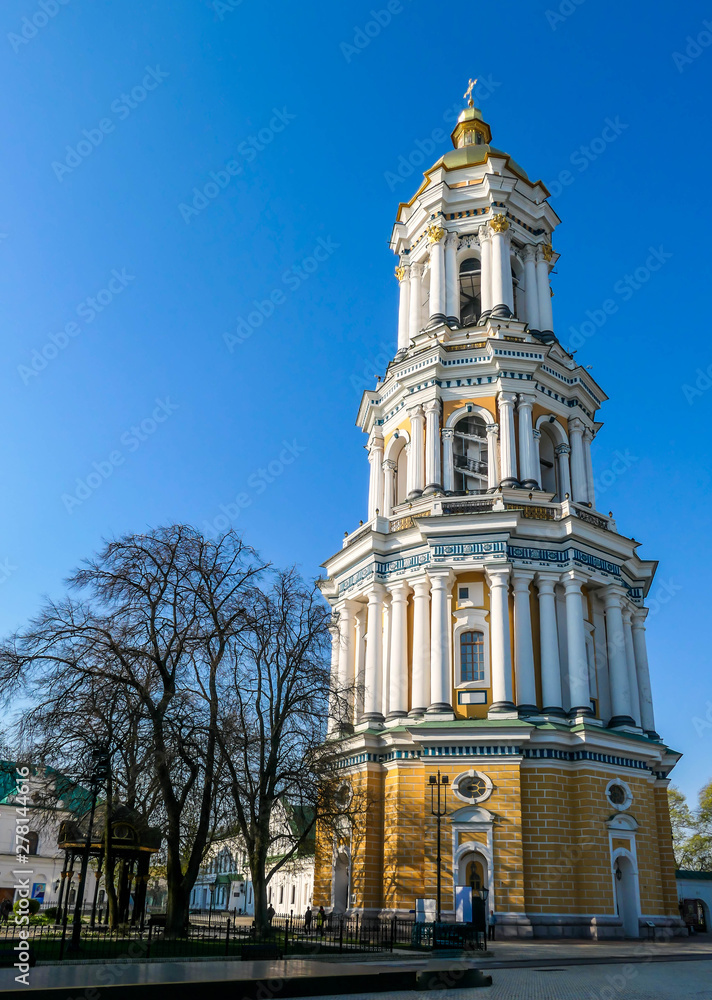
x,y
270,914
308,919
321,919
5,911
492,926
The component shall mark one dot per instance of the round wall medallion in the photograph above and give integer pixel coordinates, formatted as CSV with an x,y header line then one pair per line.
x,y
619,794
472,786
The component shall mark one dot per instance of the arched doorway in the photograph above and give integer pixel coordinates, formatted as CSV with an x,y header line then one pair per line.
x,y
341,883
471,873
626,881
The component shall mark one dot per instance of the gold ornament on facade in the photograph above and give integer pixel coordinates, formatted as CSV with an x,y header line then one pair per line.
x,y
400,272
548,251
435,232
499,224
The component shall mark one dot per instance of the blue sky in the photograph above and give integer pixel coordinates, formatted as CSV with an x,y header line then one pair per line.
x,y
126,294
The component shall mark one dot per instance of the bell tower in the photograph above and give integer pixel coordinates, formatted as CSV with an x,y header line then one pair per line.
x,y
487,614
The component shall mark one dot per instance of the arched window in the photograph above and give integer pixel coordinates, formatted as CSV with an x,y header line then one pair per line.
x,y
33,840
469,450
470,294
472,656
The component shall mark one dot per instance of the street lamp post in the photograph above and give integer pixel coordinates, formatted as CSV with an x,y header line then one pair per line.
x,y
439,781
99,772
213,886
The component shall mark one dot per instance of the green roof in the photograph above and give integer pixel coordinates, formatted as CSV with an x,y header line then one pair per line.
x,y
76,798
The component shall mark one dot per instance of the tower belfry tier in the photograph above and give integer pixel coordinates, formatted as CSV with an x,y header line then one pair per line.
x,y
487,614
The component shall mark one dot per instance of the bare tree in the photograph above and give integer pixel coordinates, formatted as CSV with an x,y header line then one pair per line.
x,y
154,615
274,707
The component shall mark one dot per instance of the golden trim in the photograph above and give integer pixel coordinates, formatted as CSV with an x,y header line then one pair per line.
x,y
400,272
435,232
498,223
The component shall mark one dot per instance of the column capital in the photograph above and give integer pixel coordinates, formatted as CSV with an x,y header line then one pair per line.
x,y
389,465
415,412
536,434
492,429
521,579
639,616
447,433
451,239
402,272
376,593
498,576
441,577
484,233
506,398
499,223
528,253
526,399
345,606
544,254
435,233
421,586
576,425
626,614
562,449
416,269
588,434
432,406
546,582
399,590
613,596
573,580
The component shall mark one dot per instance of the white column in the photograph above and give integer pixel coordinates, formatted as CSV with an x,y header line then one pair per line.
x,y
440,673
448,460
421,647
359,660
549,645
508,470
578,463
562,459
403,306
588,465
546,318
372,709
492,457
436,235
529,473
386,655
375,487
500,640
641,665
414,300
417,421
523,648
601,656
347,660
579,686
617,661
485,270
627,615
408,468
452,278
531,290
502,289
432,446
536,435
389,486
398,694
332,723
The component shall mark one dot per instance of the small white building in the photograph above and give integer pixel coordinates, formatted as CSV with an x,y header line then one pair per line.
x,y
227,871
694,890
45,809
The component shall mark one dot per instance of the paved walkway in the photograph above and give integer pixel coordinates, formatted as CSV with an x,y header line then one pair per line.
x,y
527,969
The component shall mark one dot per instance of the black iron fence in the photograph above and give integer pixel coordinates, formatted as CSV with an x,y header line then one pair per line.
x,y
228,938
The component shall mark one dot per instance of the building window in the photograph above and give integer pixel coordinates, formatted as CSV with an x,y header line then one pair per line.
x,y
463,594
470,291
281,893
469,450
472,656
294,894
33,840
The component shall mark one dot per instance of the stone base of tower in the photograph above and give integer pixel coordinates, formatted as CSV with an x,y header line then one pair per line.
x,y
568,832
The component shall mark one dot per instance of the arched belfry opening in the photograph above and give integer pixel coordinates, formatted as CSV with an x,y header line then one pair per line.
x,y
470,291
